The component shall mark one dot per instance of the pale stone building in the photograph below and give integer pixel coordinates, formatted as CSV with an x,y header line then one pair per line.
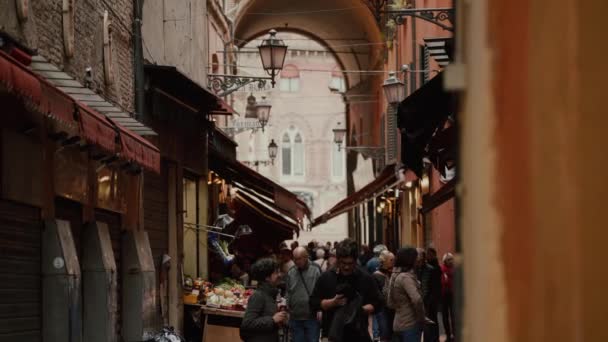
x,y
306,105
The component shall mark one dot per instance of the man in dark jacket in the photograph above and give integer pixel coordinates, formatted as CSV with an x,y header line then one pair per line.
x,y
262,322
346,275
429,273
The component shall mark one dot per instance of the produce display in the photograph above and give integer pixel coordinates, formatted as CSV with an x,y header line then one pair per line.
x,y
228,294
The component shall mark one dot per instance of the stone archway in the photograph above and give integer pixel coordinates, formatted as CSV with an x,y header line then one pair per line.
x,y
346,28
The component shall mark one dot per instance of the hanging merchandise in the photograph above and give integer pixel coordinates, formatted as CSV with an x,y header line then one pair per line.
x,y
450,173
220,247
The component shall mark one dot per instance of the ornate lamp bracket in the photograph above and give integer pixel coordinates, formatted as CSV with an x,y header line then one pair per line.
x,y
223,85
367,151
437,16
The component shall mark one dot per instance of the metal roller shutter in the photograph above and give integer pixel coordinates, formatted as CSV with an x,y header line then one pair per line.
x,y
114,222
71,211
156,222
20,264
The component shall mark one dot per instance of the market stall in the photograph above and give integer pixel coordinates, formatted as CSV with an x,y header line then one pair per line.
x,y
251,217
217,310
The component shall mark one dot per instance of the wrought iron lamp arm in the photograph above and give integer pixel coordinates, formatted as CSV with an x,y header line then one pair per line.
x,y
373,151
224,85
432,15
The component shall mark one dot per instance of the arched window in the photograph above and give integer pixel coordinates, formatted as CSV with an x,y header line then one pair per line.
x,y
290,79
286,154
298,156
292,153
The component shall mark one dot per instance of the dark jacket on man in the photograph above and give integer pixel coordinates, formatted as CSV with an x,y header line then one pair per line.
x,y
299,285
326,288
258,325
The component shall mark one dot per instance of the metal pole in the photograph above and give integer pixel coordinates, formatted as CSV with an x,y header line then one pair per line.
x,y
414,45
138,59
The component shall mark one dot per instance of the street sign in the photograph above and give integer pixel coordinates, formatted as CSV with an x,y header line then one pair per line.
x,y
248,123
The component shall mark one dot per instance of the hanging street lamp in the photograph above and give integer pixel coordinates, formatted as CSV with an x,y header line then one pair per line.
x,y
272,51
376,152
263,111
250,110
339,135
394,89
273,150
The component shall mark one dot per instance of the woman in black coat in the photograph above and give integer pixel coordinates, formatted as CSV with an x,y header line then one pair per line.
x,y
262,322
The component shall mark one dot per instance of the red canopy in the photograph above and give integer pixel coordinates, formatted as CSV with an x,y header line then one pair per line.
x,y
385,180
43,97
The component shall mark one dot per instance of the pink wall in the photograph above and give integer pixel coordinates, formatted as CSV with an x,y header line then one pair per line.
x,y
443,221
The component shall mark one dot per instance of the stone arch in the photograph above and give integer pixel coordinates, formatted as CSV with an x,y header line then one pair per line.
x,y
321,20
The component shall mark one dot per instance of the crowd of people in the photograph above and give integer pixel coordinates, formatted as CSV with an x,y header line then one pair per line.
x,y
346,292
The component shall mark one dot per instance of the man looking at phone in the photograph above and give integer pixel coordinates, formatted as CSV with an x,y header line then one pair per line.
x,y
325,296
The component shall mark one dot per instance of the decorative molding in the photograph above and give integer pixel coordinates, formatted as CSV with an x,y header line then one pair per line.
x,y
68,27
108,70
23,9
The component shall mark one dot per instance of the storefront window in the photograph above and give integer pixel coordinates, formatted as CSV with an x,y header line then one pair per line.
x,y
111,186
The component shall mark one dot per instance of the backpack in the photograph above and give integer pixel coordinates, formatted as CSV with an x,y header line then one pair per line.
x,y
386,286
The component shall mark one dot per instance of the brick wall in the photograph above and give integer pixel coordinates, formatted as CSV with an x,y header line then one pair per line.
x,y
43,32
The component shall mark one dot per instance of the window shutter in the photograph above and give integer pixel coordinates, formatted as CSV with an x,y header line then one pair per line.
x,y
381,163
391,134
427,65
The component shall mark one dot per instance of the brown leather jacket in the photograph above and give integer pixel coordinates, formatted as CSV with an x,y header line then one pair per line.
x,y
405,297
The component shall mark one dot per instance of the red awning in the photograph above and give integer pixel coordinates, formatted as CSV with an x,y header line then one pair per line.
x,y
96,129
42,96
17,79
268,212
139,150
283,199
225,108
383,182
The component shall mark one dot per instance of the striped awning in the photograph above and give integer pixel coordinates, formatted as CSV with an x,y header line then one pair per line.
x,y
440,49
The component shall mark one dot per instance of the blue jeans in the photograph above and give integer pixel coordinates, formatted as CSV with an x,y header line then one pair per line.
x,y
382,325
375,327
413,334
305,330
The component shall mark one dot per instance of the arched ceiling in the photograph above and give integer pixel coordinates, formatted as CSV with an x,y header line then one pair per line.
x,y
346,27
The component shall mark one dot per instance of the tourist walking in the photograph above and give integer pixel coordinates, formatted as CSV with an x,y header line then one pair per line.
x,y
301,280
347,295
262,320
447,302
383,319
405,297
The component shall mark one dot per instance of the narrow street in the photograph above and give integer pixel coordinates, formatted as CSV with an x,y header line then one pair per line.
x,y
319,170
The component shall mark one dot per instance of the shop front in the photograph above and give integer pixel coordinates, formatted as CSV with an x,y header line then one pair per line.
x,y
176,200
427,123
70,188
249,217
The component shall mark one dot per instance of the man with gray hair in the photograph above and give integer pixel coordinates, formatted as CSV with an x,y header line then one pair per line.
x,y
300,282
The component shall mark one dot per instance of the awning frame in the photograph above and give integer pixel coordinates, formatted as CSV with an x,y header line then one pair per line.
x,y
50,101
